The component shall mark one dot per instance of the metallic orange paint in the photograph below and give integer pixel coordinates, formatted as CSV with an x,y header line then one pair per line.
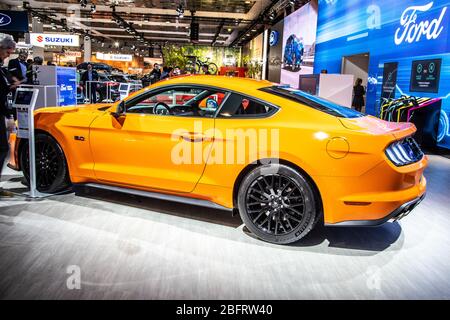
x,y
344,157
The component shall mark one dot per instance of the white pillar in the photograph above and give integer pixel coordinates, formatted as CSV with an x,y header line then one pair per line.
x,y
87,50
265,49
37,27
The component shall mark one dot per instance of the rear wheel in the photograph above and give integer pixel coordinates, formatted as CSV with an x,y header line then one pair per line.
x,y
52,174
278,204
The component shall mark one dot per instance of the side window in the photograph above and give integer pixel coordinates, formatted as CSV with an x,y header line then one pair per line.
x,y
182,101
237,106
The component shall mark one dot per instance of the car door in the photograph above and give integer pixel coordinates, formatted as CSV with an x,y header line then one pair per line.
x,y
146,147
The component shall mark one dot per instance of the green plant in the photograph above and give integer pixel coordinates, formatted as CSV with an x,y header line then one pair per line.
x,y
254,67
178,55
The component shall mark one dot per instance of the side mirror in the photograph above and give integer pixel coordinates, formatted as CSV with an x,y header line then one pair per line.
x,y
120,111
121,107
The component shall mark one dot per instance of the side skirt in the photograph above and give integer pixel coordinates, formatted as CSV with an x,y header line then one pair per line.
x,y
161,196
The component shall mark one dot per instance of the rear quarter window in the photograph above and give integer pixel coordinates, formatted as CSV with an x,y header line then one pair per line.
x,y
314,102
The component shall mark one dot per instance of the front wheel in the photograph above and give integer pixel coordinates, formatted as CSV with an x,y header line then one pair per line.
x,y
278,204
52,174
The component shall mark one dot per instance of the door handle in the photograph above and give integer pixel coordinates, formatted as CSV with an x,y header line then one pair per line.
x,y
194,137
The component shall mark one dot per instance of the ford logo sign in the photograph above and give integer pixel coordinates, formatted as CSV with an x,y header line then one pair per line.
x,y
273,40
4,20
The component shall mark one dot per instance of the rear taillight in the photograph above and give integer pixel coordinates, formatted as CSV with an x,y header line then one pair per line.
x,y
404,152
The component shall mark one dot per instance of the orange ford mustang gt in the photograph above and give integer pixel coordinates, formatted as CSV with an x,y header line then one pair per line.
x,y
282,158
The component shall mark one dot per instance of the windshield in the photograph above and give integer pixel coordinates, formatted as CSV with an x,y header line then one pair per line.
x,y
313,102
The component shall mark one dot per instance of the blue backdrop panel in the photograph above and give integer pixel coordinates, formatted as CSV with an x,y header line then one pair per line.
x,y
389,31
66,80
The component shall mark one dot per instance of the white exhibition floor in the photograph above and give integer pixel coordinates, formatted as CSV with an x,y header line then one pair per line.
x,y
124,247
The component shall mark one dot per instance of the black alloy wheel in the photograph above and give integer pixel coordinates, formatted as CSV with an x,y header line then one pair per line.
x,y
52,173
278,204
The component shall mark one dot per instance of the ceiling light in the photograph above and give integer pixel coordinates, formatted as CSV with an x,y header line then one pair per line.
x,y
116,44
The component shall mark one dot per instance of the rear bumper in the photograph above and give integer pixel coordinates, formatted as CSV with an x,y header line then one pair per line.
x,y
373,196
397,214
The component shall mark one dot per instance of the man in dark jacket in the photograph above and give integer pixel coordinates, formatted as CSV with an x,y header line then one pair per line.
x,y
90,88
155,74
18,67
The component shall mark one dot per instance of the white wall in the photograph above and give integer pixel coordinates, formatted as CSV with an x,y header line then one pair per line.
x,y
357,66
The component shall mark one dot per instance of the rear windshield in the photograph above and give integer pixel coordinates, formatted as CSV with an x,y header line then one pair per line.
x,y
313,102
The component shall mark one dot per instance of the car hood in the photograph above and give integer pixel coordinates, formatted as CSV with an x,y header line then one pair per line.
x,y
374,126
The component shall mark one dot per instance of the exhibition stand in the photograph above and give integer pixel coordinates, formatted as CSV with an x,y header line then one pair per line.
x,y
64,78
25,103
44,96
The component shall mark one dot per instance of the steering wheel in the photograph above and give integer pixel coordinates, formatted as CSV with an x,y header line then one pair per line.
x,y
161,108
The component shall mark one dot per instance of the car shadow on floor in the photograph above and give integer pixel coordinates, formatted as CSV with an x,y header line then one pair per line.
x,y
203,214
374,239
322,239
369,239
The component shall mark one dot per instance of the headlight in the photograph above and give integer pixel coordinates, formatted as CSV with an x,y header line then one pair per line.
x,y
404,152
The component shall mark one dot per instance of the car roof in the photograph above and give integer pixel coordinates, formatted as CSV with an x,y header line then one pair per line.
x,y
228,83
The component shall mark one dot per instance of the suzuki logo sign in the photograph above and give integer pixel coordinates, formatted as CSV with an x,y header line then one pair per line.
x,y
114,57
412,29
52,39
4,20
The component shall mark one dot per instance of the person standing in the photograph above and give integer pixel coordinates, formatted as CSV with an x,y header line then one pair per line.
x,y
205,69
155,74
18,67
31,76
7,47
165,73
358,95
88,80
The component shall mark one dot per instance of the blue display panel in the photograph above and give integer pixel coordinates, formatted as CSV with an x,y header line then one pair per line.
x,y
388,30
67,81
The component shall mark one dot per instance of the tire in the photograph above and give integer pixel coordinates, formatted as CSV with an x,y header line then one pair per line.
x,y
278,204
52,174
212,67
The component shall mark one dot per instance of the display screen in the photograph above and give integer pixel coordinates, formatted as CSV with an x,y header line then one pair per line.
x,y
299,41
389,80
309,84
425,75
23,98
124,87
